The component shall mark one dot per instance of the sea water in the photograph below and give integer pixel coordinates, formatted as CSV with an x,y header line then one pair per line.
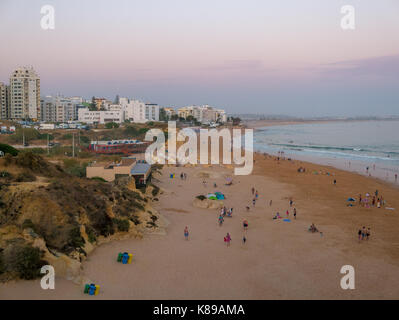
x,y
350,145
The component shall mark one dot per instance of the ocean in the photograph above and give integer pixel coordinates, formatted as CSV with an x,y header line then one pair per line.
x,y
349,145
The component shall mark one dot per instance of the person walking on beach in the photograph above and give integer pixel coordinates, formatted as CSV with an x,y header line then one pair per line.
x,y
335,182
227,239
359,234
363,232
270,203
287,213
186,233
256,195
295,213
221,219
245,225
368,233
253,190
244,240
291,202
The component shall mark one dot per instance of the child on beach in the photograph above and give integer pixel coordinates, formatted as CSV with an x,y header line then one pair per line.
x,y
186,233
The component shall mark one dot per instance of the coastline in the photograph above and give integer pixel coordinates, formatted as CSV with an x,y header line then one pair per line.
x,y
355,166
281,260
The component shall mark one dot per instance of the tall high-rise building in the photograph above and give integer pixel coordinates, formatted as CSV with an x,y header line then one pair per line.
x,y
24,94
4,101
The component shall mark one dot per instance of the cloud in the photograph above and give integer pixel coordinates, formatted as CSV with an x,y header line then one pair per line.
x,y
384,66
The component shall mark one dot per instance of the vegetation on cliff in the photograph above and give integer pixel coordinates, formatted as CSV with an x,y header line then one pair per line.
x,y
43,201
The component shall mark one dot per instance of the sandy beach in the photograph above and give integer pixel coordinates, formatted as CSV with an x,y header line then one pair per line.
x,y
280,260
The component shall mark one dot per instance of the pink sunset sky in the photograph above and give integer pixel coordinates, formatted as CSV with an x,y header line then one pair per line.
x,y
272,57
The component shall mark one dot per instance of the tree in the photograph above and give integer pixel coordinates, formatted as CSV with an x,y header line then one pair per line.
x,y
162,115
111,125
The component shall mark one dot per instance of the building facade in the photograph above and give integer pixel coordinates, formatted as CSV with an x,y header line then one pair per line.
x,y
24,94
100,117
4,101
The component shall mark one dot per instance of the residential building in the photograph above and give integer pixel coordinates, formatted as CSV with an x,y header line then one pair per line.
x,y
24,94
111,170
100,117
128,167
169,112
58,109
203,114
4,101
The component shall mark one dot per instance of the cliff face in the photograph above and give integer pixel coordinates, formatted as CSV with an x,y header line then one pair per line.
x,y
58,219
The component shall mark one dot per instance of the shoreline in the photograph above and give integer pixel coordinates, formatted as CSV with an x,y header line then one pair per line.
x,y
279,261
349,165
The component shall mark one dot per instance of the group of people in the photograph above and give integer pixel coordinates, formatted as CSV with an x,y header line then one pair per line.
x,y
376,201
363,233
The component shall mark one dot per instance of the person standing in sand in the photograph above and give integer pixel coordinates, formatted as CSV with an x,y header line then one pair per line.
x,y
295,213
287,213
186,233
227,239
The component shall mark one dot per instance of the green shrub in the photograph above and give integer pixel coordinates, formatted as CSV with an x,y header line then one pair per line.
x,y
111,125
28,262
84,139
91,234
99,179
123,225
7,149
75,238
5,174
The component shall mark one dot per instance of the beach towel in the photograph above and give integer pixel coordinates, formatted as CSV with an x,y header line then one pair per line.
x,y
287,220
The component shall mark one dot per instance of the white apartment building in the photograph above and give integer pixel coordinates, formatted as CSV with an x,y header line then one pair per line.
x,y
203,114
24,94
58,109
100,117
138,111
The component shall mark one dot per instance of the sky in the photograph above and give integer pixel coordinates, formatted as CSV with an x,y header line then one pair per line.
x,y
268,57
